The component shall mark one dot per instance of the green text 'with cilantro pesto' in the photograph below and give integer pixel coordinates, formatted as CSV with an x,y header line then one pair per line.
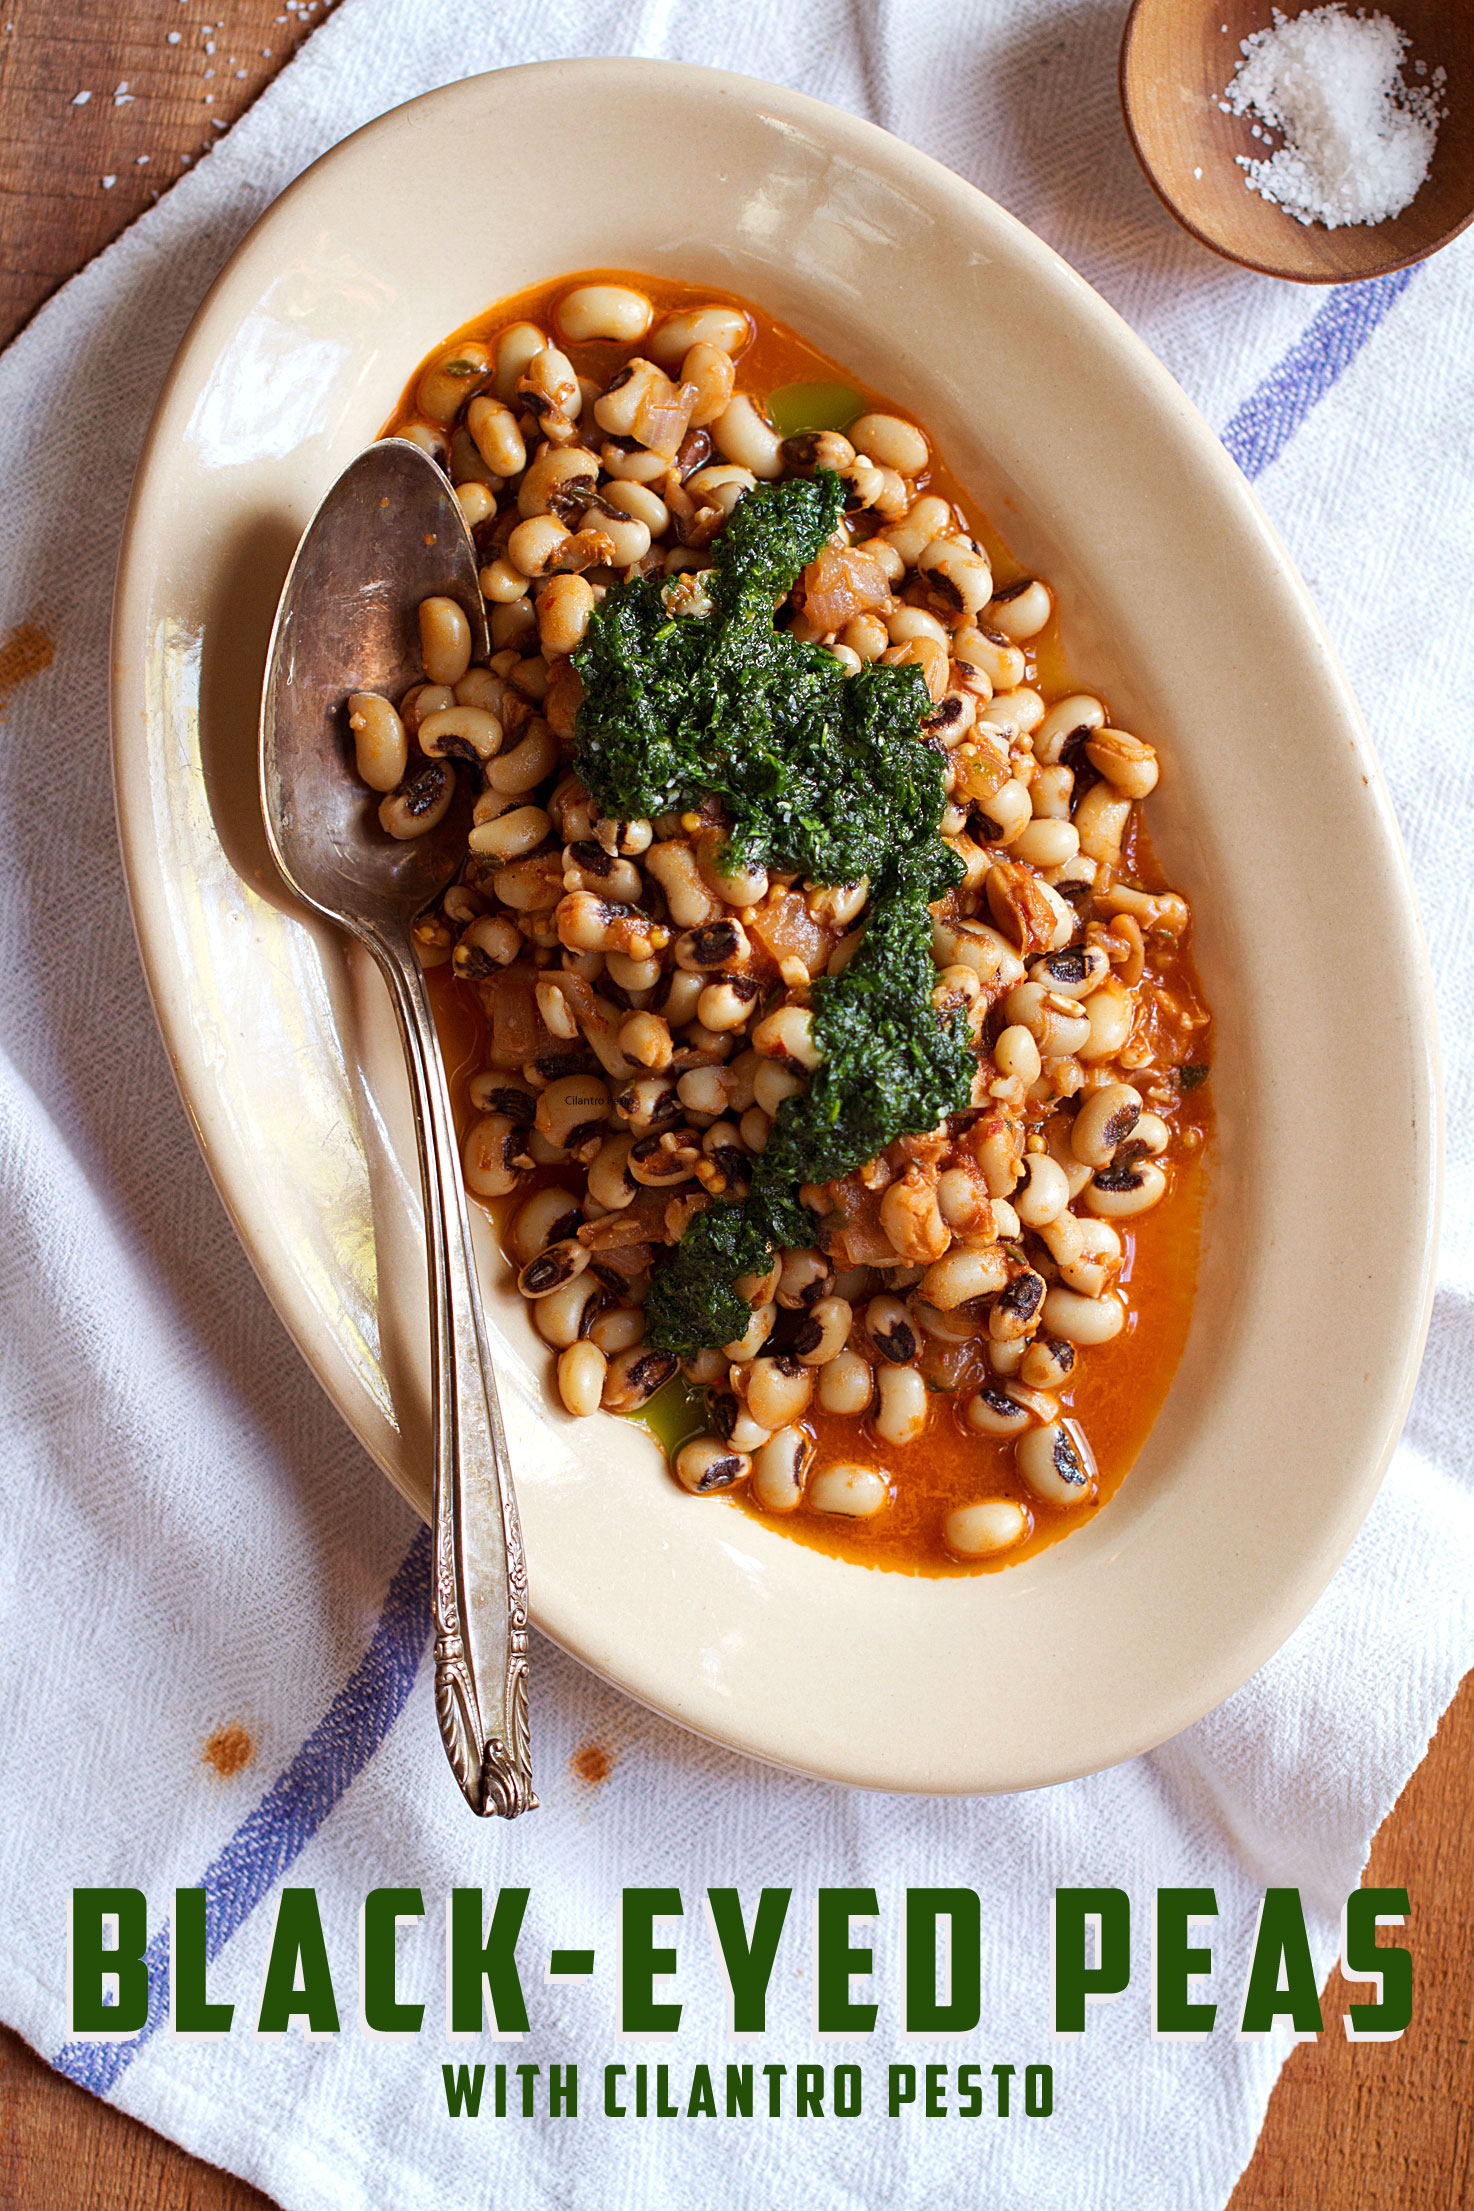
x,y
818,771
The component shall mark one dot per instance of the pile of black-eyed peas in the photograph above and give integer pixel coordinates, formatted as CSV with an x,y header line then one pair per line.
x,y
647,1012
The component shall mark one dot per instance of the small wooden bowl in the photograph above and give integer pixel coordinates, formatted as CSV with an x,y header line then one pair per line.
x,y
1177,57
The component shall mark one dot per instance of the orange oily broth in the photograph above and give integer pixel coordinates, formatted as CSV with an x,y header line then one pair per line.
x,y
1118,1388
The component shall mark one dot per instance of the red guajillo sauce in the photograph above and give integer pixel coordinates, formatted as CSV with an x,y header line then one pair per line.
x,y
1117,1389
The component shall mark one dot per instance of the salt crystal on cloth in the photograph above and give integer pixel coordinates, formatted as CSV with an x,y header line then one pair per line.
x,y
1358,141
193,1540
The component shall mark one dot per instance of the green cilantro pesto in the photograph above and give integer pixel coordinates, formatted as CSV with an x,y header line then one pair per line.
x,y
819,772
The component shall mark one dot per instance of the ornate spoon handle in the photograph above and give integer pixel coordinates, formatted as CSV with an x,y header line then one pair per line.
x,y
480,1573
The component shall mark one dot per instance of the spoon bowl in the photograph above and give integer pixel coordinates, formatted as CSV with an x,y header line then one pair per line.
x,y
390,534
1177,58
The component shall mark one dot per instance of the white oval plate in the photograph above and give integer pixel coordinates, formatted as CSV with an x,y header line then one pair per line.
x,y
1177,599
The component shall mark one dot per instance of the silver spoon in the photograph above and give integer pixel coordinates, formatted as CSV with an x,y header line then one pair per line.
x,y
389,534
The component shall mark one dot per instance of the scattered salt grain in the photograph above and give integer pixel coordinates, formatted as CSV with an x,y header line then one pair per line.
x,y
174,38
1358,140
80,99
123,97
108,183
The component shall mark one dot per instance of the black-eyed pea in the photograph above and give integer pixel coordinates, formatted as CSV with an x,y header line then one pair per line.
x,y
674,335
847,1384
496,435
1120,1192
1045,843
892,441
612,311
804,1277
986,661
632,975
987,1529
708,1464
512,625
1152,1134
1070,720
561,1317
1083,1321
1051,794
582,1371
968,1271
778,1470
1015,1313
432,939
1092,1267
516,346
911,1218
500,1090
865,636
422,700
991,1411
649,1102
891,1328
706,1091
666,1157
1011,715
445,639
554,1268
901,1413
823,1332
1111,1011
610,1182
772,1083
709,368
634,1377
754,1127
494,1155
673,864
778,1390
380,743
545,1218
1108,1116
534,546
640,503
961,576
1058,1025
572,1113
728,1003
511,835
743,433
564,606
706,1369
618,1329
1007,1358
854,1492
927,517
1044,1194
646,1038
787,1034
1056,1464
908,624
1048,1363
1016,1055
1006,815
501,583
744,1349
628,537
533,885
976,944
732,1420
1020,610
1058,1133
1073,972
446,381
1100,818
1124,761
514,772
418,804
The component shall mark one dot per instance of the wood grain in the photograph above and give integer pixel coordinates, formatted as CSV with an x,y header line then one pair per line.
x,y
1375,2127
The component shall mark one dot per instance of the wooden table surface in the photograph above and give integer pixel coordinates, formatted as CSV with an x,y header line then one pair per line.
x,y
1382,2127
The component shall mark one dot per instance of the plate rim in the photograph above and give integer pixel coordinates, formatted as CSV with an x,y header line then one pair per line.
x,y
292,1307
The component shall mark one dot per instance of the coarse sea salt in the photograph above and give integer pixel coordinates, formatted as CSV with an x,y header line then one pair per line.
x,y
1358,141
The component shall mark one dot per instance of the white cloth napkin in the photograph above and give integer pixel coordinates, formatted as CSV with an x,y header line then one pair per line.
x,y
194,1542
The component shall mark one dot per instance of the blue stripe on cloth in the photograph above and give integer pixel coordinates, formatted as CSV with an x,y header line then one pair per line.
x,y
1266,421
360,1717
294,1807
